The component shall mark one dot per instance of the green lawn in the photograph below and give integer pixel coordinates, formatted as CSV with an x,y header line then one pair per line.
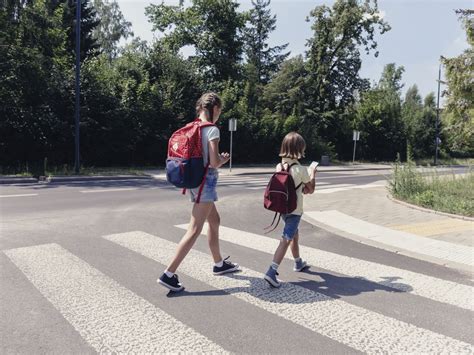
x,y
446,193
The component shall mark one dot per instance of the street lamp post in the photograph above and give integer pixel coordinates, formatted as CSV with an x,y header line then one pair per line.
x,y
78,85
437,119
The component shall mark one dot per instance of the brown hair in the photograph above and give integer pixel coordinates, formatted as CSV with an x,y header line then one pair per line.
x,y
207,102
293,146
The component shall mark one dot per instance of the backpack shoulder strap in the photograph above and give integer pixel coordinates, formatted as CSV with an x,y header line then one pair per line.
x,y
301,183
285,169
271,225
202,124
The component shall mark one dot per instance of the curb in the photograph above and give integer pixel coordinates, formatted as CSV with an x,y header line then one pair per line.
x,y
60,179
96,178
465,269
424,209
7,181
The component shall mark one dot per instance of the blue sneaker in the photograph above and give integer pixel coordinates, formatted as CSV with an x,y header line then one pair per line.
x,y
271,277
226,267
171,283
300,265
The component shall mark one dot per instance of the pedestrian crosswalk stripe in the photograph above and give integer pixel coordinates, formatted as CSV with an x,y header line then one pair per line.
x,y
404,280
242,178
339,188
319,186
261,186
399,239
359,328
19,195
111,318
109,190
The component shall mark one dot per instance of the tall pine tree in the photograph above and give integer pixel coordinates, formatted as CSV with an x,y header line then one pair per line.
x,y
266,60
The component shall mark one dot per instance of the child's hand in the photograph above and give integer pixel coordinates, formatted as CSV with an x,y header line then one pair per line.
x,y
225,157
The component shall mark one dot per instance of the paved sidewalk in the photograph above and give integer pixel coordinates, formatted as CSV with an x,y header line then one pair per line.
x,y
369,216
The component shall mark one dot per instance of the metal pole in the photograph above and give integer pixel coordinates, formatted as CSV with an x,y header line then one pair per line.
x,y
78,86
437,119
354,154
230,162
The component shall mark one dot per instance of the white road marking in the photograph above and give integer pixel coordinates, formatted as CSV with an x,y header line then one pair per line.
x,y
19,195
109,190
399,239
111,318
359,328
318,184
404,280
98,181
349,187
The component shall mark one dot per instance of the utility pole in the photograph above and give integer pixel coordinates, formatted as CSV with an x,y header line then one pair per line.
x,y
77,162
437,119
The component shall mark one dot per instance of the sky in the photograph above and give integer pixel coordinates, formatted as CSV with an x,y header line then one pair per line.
x,y
422,30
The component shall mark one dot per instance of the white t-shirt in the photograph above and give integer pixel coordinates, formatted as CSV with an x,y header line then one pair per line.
x,y
208,134
300,175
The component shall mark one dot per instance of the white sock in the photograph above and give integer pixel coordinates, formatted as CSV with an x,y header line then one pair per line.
x,y
297,260
274,266
220,263
169,273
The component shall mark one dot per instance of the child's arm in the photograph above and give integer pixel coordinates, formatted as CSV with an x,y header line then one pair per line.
x,y
310,186
216,160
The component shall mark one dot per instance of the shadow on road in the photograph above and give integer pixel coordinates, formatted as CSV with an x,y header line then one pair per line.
x,y
331,287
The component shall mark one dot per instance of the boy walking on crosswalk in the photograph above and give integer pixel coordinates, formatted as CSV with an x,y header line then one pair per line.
x,y
292,149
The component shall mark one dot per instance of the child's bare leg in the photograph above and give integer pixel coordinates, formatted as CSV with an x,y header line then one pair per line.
x,y
213,219
198,217
294,246
281,250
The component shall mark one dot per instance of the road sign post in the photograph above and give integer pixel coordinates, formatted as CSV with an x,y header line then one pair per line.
x,y
232,128
355,138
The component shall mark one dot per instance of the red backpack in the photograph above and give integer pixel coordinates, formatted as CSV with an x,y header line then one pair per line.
x,y
185,164
280,194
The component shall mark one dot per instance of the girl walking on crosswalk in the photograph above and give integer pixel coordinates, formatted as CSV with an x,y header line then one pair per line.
x,y
208,109
292,149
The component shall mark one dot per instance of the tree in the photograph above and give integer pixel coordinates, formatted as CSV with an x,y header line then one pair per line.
x,y
266,60
412,114
112,26
425,143
379,118
89,21
334,56
419,120
212,27
34,70
285,93
458,117
391,79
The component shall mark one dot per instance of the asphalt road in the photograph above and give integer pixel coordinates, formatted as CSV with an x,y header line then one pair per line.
x,y
80,262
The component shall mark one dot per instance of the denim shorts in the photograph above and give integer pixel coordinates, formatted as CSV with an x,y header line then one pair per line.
x,y
292,221
209,193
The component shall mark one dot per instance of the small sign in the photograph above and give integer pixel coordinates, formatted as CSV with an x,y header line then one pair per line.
x,y
355,135
232,125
